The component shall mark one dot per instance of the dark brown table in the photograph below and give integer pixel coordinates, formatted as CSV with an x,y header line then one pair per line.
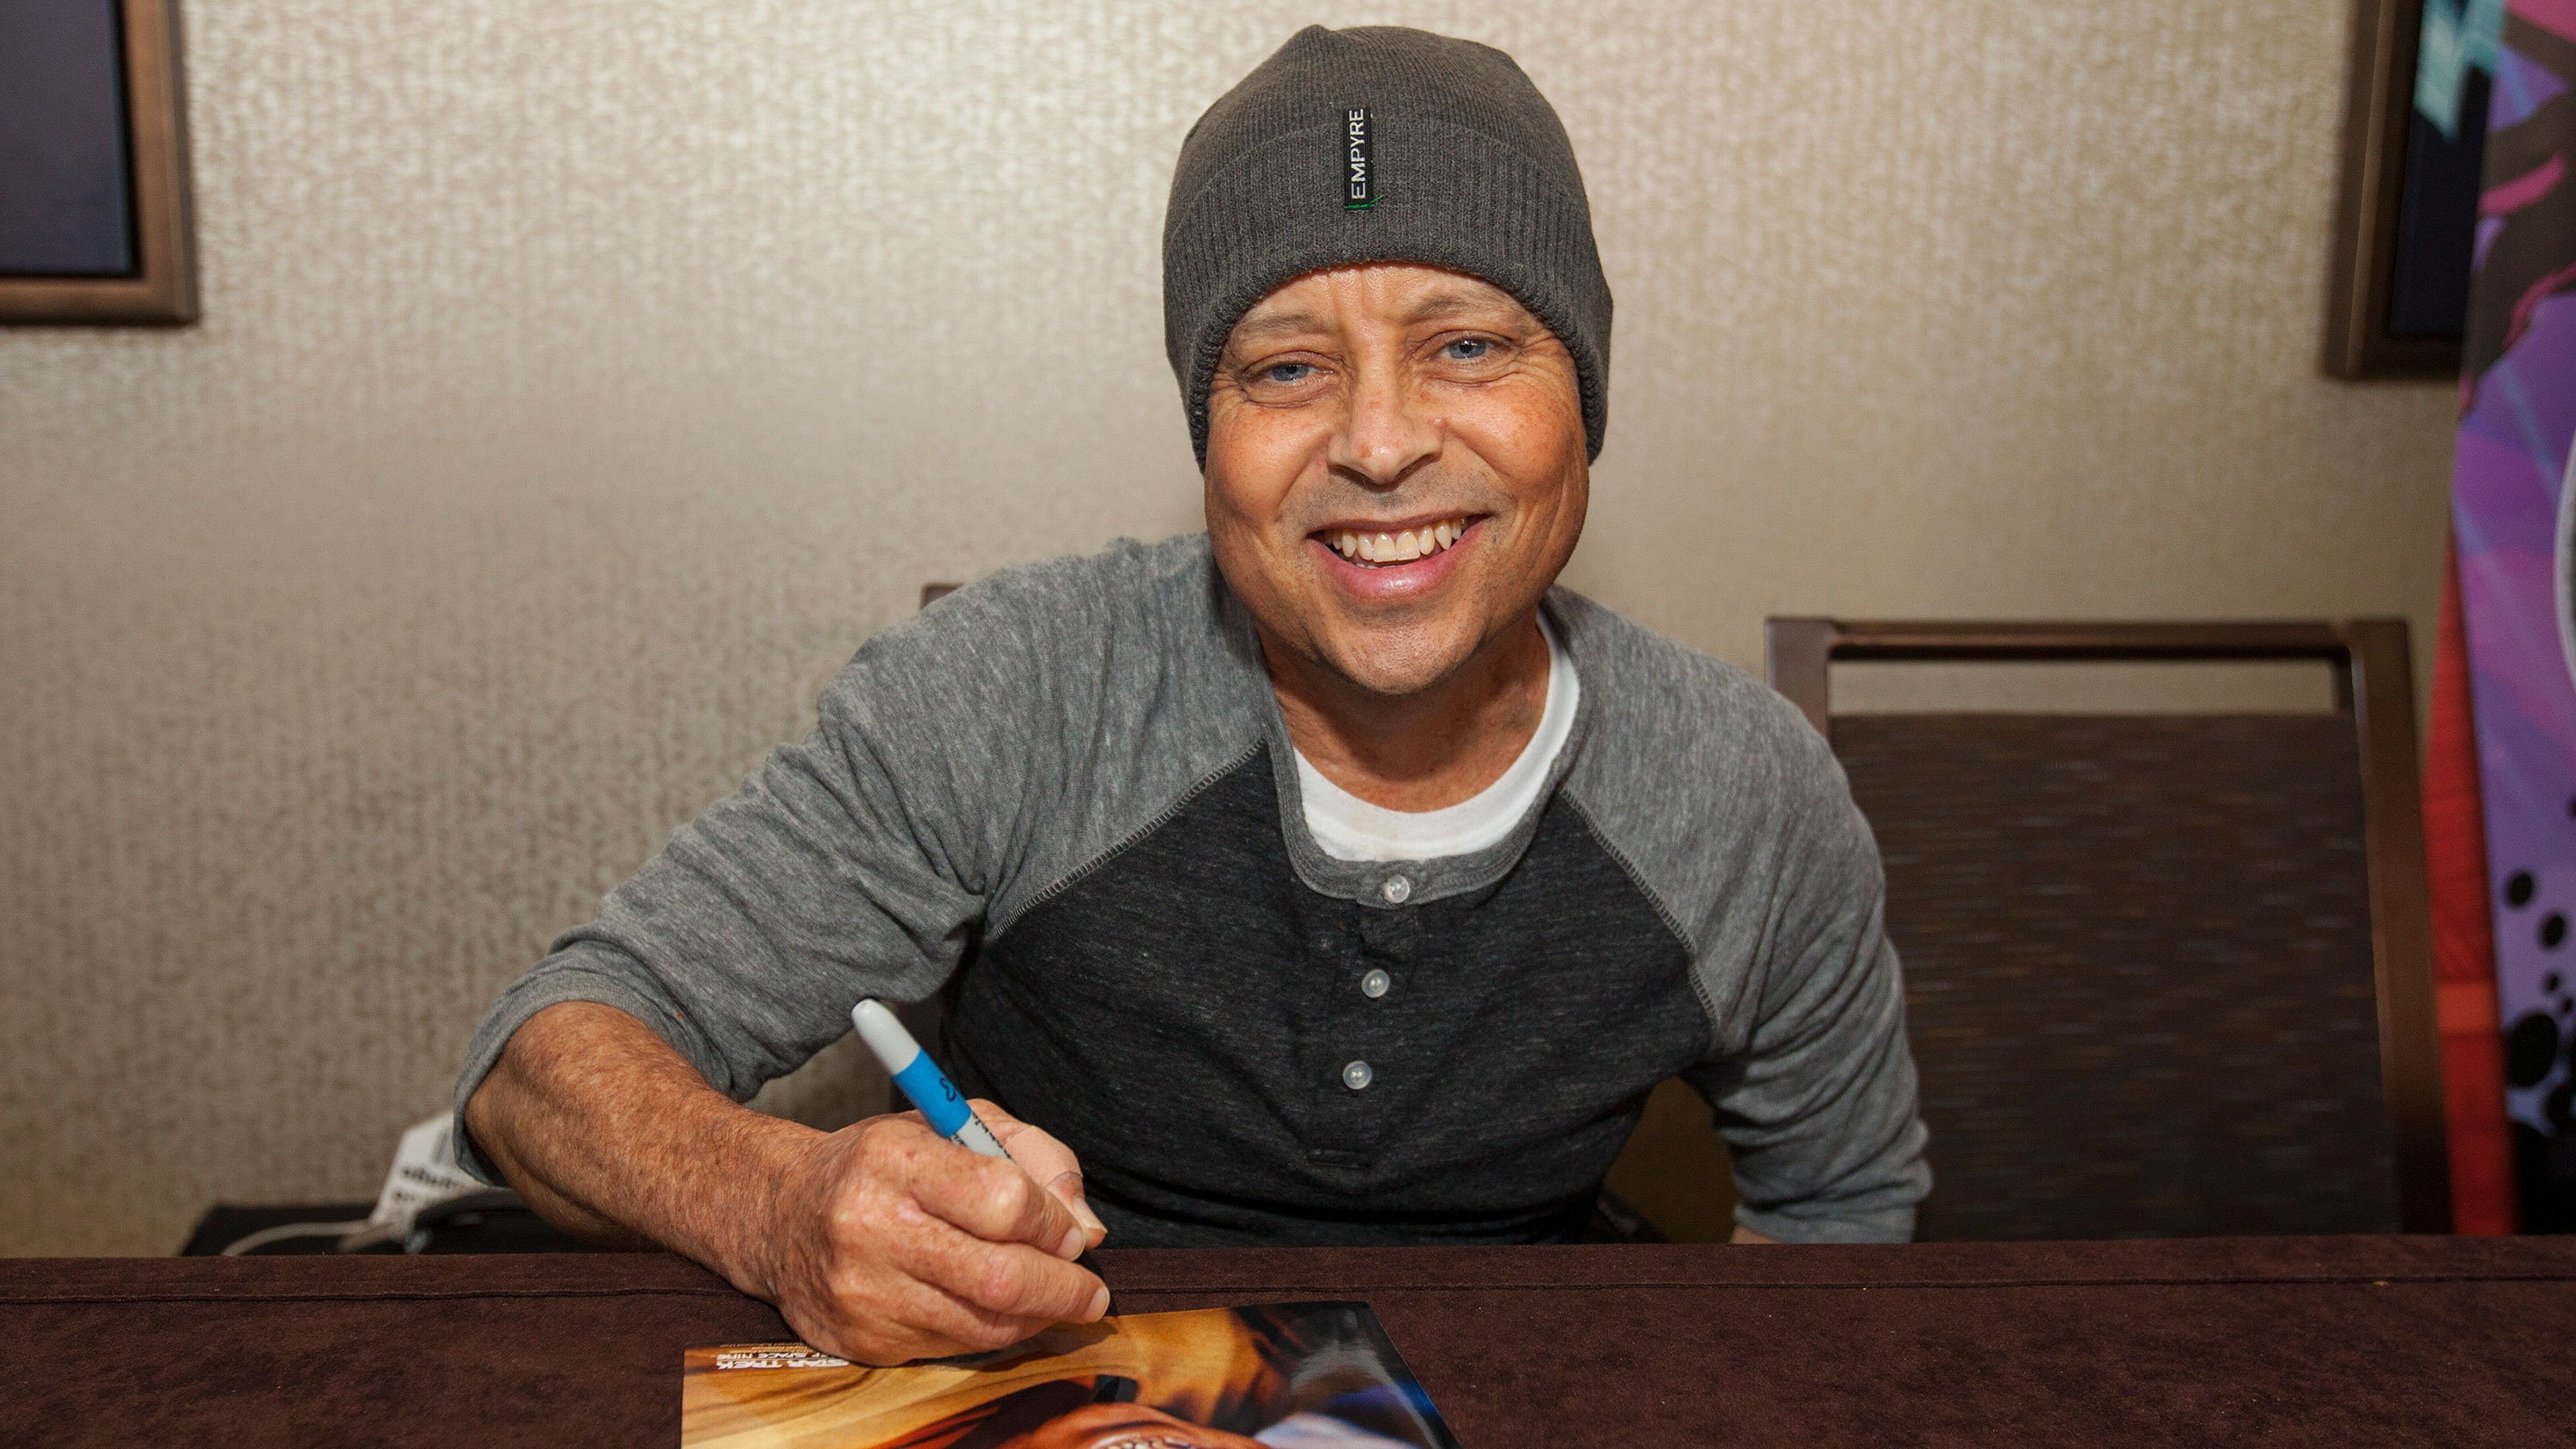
x,y
2343,1341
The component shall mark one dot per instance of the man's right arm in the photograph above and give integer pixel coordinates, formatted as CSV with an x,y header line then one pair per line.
x,y
881,1242
857,863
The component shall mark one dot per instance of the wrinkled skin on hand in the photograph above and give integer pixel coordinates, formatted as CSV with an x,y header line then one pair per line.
x,y
889,1243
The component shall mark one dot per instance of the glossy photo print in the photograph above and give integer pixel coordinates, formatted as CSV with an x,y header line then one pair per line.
x,y
1279,1376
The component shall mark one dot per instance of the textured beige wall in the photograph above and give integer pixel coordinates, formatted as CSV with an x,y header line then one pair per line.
x,y
580,381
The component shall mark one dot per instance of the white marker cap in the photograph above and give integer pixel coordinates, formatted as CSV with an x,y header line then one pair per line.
x,y
894,1047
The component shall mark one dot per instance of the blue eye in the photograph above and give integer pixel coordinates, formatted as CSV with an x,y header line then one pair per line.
x,y
1288,374
1467,349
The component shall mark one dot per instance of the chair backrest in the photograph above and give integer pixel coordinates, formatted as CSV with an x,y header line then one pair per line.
x,y
2166,975
927,1019
842,1083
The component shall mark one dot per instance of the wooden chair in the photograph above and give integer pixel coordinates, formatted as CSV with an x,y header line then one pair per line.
x,y
2166,975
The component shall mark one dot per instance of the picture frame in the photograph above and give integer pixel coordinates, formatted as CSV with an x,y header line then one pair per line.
x,y
2397,295
157,283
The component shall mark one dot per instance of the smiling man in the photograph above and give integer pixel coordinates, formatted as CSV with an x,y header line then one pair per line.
x,y
1327,878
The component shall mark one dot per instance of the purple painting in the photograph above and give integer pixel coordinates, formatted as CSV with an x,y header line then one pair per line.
x,y
2512,509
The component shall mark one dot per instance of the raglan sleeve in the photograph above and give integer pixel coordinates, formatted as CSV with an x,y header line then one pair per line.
x,y
853,863
1819,1107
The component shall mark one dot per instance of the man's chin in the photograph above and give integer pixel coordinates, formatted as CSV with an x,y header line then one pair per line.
x,y
1399,663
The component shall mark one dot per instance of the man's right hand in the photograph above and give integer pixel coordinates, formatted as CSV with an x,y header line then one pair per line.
x,y
886,1242
880,1242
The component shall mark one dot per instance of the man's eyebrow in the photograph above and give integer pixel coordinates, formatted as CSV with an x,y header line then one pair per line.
x,y
1277,324
1446,300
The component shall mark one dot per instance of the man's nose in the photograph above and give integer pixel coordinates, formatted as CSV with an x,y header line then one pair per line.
x,y
1387,432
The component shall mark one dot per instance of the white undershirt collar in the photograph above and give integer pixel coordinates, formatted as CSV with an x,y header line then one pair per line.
x,y
1350,828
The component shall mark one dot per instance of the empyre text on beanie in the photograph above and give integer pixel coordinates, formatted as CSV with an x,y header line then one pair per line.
x,y
1380,144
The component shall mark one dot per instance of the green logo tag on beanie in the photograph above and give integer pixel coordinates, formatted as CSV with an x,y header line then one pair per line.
x,y
1359,173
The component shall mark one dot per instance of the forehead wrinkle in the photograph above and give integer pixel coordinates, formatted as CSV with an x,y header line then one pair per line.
x,y
1443,302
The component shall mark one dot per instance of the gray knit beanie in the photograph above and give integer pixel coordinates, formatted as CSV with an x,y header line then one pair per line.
x,y
1380,144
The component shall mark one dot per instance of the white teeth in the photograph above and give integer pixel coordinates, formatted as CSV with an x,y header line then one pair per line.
x,y
1403,547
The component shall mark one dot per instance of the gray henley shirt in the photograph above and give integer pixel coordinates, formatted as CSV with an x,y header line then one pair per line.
x,y
1072,782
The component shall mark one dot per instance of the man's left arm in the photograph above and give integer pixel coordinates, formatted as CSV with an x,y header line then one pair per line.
x,y
1819,1109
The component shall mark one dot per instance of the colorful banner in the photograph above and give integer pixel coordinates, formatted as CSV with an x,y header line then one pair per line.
x,y
2511,517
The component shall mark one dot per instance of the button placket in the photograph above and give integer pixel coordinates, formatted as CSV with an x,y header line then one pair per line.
x,y
1354,1105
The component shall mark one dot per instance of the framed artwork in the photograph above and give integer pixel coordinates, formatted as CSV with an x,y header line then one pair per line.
x,y
2414,142
94,223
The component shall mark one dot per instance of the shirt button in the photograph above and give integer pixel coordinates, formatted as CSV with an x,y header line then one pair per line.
x,y
1357,1076
1374,984
1396,890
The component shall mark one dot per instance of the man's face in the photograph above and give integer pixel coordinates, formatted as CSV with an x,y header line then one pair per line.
x,y
1395,469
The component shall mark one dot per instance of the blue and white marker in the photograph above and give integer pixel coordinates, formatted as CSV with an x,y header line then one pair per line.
x,y
921,1079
